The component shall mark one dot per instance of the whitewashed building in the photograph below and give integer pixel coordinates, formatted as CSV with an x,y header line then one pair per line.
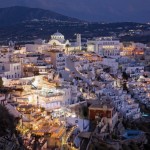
x,y
6,53
58,59
57,39
10,70
104,46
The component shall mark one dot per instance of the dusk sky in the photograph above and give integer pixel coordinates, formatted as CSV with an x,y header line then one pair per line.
x,y
92,10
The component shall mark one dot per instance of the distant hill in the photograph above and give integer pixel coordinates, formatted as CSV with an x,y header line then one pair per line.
x,y
24,25
19,14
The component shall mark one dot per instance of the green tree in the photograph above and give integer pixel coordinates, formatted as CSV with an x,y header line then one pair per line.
x,y
67,47
83,112
1,82
125,86
125,75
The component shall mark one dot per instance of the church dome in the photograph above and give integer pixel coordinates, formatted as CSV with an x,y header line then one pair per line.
x,y
57,34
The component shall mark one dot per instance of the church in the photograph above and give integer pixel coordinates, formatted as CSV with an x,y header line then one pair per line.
x,y
58,40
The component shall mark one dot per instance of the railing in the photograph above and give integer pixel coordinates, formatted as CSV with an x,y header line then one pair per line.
x,y
70,132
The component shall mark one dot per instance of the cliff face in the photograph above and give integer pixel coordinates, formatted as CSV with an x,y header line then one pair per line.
x,y
9,138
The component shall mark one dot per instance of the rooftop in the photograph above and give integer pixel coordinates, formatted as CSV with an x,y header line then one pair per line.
x,y
57,34
101,106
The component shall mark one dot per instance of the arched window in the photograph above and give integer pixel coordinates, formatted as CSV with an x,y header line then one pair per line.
x,y
54,44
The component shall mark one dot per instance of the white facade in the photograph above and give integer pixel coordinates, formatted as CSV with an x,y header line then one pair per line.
x,y
43,68
79,41
135,70
139,46
105,46
37,47
58,59
51,98
11,70
111,63
57,39
5,53
58,36
60,62
82,124
32,47
22,50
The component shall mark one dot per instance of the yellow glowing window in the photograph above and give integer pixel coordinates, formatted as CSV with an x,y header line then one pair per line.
x,y
108,47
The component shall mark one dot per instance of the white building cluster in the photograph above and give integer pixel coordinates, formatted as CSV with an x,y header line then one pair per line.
x,y
141,90
123,102
8,68
68,83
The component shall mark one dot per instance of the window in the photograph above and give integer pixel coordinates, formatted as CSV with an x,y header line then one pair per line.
x,y
60,55
3,68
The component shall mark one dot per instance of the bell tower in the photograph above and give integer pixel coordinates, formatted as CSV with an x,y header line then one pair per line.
x,y
79,40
